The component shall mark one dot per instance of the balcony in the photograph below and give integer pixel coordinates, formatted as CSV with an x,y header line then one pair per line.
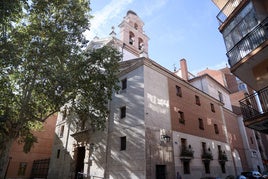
x,y
186,153
248,43
222,156
207,155
227,10
255,110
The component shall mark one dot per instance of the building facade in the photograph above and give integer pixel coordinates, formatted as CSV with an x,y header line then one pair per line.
x,y
161,125
252,149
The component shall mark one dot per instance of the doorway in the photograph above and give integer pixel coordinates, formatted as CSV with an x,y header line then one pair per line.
x,y
160,171
80,162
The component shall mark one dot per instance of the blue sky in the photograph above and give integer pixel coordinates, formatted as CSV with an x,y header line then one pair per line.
x,y
177,29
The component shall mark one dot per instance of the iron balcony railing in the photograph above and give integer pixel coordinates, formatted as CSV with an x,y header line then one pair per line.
x,y
187,151
227,9
255,105
207,155
248,43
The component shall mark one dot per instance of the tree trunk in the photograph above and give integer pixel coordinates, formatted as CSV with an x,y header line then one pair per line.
x,y
4,156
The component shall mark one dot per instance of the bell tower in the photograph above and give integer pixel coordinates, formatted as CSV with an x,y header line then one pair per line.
x,y
132,34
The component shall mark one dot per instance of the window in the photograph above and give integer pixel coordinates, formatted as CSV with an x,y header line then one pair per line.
x,y
123,145
124,84
220,96
251,140
212,107
178,91
61,131
216,129
201,124
183,143
136,26
58,153
197,100
131,38
204,146
181,117
22,168
64,113
123,112
141,44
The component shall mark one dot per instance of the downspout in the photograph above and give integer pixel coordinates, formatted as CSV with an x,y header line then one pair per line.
x,y
106,173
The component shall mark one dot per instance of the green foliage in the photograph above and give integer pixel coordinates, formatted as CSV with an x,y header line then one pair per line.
x,y
43,66
28,141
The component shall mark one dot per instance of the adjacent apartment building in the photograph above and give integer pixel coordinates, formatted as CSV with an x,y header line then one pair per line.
x,y
162,124
244,26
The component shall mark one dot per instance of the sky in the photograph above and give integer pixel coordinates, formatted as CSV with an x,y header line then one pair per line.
x,y
177,29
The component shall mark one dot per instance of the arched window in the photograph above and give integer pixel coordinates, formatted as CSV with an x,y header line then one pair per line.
x,y
141,44
136,26
131,38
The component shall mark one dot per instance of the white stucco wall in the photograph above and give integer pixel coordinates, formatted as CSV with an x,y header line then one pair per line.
x,y
128,163
156,100
127,55
212,88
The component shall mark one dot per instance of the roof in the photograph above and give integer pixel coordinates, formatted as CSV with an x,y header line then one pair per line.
x,y
131,12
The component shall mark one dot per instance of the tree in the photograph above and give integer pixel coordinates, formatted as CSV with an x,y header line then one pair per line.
x,y
43,66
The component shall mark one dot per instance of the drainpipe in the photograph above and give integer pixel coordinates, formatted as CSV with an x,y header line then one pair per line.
x,y
106,173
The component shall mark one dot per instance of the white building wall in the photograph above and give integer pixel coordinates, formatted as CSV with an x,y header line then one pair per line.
x,y
61,157
128,163
212,88
156,100
128,55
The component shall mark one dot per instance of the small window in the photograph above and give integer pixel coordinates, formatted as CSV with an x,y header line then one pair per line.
x,y
22,168
204,146
251,140
181,117
219,148
58,153
64,113
124,84
123,141
216,129
212,107
220,96
197,100
123,112
178,91
61,131
201,124
183,143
